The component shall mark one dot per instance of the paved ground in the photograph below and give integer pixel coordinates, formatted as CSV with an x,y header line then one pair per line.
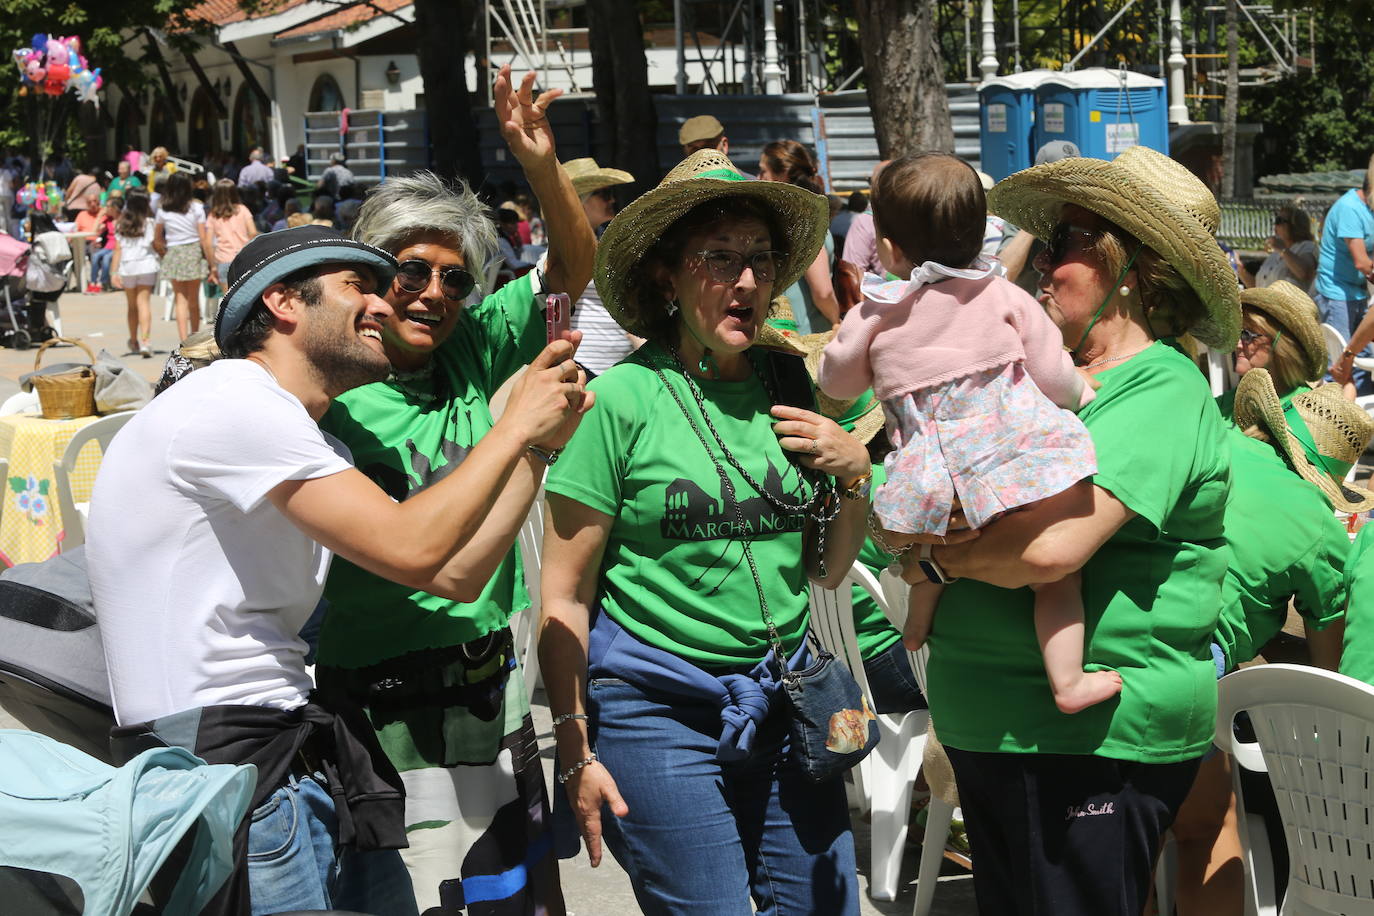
x,y
100,321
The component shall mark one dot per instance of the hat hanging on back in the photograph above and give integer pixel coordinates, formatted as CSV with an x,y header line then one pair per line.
x,y
1321,433
273,256
1156,200
587,176
702,127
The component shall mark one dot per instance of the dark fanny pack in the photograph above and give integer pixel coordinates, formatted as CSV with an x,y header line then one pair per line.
x,y
429,677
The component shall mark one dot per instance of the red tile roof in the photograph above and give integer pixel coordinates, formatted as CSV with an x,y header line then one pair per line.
x,y
223,12
346,17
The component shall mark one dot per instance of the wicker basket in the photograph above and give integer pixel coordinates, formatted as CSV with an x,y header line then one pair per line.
x,y
67,394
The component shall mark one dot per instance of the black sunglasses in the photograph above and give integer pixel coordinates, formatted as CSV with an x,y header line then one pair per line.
x,y
1058,246
414,275
1280,221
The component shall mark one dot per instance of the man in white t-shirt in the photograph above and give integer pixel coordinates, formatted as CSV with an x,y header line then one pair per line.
x,y
214,518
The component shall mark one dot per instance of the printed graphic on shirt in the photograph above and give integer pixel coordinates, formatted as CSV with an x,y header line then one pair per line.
x,y
690,513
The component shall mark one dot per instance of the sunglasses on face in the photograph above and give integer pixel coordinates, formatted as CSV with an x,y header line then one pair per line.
x,y
725,266
1280,221
1057,249
1248,336
455,282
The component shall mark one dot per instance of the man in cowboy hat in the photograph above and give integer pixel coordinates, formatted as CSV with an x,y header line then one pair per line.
x,y
213,522
604,341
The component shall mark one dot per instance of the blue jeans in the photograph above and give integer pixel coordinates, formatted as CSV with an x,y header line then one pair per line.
x,y
1345,316
295,864
892,683
705,837
100,266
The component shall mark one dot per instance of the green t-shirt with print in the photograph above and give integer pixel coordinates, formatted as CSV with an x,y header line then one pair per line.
x,y
406,434
674,573
1150,593
875,632
1285,542
1357,654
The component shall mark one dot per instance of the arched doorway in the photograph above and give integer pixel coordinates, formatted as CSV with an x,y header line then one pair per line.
x,y
202,131
127,125
250,122
326,95
162,126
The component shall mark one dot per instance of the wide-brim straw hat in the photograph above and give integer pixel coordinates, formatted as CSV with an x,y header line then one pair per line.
x,y
1321,433
1297,313
861,416
803,218
587,176
1152,197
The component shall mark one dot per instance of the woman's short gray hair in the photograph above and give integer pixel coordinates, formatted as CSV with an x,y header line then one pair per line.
x,y
400,208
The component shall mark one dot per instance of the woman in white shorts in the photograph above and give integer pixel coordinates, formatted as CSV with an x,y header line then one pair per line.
x,y
135,265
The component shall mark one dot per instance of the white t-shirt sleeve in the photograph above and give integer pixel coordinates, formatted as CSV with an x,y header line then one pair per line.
x,y
242,452
198,211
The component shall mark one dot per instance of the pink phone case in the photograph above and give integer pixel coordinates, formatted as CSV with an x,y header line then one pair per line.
x,y
557,309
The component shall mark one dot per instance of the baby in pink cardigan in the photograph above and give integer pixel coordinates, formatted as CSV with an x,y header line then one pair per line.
x,y
978,391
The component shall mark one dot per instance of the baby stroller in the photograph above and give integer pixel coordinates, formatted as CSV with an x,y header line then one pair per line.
x,y
14,261
49,271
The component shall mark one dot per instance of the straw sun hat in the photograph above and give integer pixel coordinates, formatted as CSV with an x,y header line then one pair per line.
x,y
1153,198
1322,434
1297,313
587,176
861,416
803,217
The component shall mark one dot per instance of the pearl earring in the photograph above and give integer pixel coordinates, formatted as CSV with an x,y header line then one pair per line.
x,y
1125,290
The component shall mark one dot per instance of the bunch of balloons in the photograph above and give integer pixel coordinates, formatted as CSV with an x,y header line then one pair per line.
x,y
44,197
53,65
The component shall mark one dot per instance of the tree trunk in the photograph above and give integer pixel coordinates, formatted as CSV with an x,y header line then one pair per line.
x,y
1231,103
620,76
442,30
905,76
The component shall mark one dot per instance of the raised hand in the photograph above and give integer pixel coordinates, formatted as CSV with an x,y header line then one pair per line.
x,y
524,120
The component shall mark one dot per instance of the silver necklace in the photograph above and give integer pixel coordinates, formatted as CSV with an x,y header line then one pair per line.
x,y
1117,359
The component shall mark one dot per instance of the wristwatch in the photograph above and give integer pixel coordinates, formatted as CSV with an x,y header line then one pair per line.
x,y
931,567
859,489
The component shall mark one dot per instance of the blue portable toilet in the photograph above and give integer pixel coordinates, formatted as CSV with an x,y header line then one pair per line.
x,y
1104,112
1007,115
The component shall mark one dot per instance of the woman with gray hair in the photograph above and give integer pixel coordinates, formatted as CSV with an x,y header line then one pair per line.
x,y
437,676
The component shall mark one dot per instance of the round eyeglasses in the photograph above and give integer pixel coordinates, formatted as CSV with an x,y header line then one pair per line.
x,y
725,266
414,275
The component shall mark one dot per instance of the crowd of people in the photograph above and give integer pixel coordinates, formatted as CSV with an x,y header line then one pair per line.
x,y
759,388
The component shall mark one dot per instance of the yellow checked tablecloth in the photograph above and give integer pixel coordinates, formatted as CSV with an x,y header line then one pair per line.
x,y
31,520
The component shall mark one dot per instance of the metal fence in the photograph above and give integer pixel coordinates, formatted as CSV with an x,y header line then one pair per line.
x,y
1246,224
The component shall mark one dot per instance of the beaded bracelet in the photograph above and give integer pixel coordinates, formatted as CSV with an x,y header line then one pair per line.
x,y
568,717
573,770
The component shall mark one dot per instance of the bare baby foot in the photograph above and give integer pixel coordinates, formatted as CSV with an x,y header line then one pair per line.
x,y
1089,690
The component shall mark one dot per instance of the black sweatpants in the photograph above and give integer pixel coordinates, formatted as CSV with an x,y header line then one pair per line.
x,y
1064,835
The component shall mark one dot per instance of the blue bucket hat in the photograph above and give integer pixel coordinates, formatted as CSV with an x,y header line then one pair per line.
x,y
271,257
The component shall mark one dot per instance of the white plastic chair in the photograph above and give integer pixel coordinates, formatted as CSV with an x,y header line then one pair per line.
x,y
885,778
1335,345
74,513
1314,732
939,813
525,625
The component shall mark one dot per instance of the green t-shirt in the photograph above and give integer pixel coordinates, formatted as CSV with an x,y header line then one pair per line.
x,y
406,436
674,572
875,632
1226,403
124,185
1285,543
1150,593
1357,654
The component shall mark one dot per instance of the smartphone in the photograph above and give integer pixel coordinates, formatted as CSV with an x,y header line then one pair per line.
x,y
557,314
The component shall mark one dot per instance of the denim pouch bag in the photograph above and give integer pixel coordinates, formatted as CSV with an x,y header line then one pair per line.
x,y
832,727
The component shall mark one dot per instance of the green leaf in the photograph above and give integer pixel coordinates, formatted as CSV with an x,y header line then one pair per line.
x,y
43,486
17,484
